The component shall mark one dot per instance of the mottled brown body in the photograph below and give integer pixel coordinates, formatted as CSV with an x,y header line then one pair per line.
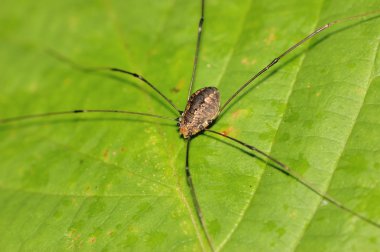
x,y
201,110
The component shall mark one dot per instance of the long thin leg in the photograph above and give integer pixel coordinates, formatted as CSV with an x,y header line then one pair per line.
x,y
26,117
194,196
113,69
286,169
200,27
317,31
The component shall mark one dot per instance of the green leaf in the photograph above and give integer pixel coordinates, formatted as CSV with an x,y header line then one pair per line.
x,y
116,182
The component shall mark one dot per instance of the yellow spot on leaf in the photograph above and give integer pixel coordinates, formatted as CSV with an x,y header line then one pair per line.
x,y
228,131
179,86
271,37
105,154
247,62
92,240
244,61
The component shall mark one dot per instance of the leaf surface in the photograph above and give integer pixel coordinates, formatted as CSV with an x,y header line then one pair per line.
x,y
113,182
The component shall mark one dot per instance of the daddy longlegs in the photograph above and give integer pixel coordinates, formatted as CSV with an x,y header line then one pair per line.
x,y
202,111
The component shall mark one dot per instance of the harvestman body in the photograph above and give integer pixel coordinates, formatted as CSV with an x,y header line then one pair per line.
x,y
202,109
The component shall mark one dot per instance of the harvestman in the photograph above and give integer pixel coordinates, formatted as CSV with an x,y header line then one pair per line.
x,y
202,109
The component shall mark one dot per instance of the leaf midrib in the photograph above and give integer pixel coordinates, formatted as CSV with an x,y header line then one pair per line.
x,y
180,193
